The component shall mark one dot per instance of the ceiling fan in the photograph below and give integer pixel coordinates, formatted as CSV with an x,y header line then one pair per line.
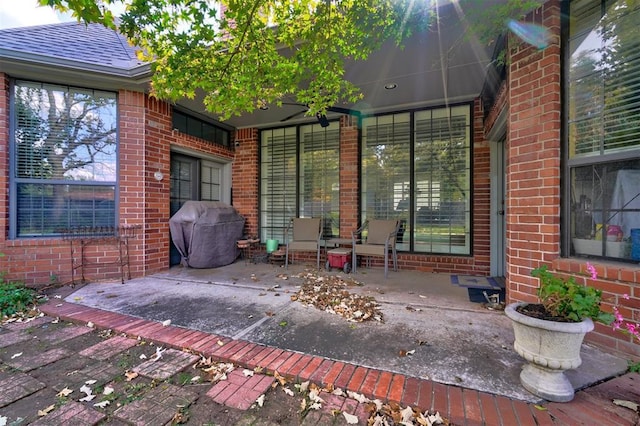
x,y
322,119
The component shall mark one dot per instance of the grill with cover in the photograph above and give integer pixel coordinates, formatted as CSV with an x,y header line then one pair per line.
x,y
205,233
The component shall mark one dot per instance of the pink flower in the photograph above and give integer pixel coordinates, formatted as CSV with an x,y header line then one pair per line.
x,y
625,296
592,270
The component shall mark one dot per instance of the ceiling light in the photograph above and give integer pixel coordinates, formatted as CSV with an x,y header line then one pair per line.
x,y
390,86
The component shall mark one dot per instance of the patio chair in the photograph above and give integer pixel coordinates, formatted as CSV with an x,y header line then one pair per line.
x,y
380,241
303,234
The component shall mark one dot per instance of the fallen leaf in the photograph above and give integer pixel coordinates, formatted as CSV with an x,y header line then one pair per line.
x,y
220,343
282,324
3,421
90,324
57,296
288,391
195,379
44,412
108,390
279,378
540,407
64,392
55,321
247,373
350,418
407,415
86,389
158,354
16,355
260,400
87,398
90,382
77,298
402,353
102,404
130,375
166,323
627,404
143,356
411,352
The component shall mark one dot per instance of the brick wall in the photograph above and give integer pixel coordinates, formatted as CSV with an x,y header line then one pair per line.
x,y
534,188
145,140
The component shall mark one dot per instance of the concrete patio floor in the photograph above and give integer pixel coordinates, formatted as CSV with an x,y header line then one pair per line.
x,y
456,342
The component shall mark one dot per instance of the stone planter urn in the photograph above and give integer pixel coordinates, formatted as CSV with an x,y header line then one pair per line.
x,y
550,348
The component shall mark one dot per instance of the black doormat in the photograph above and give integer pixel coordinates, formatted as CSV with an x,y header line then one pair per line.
x,y
477,287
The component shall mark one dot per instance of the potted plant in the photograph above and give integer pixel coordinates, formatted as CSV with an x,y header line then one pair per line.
x,y
549,334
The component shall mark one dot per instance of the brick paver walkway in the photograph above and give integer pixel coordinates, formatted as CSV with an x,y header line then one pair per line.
x,y
462,406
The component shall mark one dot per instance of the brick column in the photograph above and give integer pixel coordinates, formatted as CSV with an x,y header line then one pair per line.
x,y
533,155
244,178
348,175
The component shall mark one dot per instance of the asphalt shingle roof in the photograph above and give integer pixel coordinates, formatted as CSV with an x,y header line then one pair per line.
x,y
92,44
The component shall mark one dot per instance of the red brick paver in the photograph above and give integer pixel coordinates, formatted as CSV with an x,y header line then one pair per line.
x,y
18,386
157,407
71,413
109,348
462,406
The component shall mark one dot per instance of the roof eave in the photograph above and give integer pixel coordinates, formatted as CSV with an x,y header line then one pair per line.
x,y
28,65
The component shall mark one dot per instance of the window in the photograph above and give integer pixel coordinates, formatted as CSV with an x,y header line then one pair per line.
x,y
63,159
299,177
416,166
199,128
603,132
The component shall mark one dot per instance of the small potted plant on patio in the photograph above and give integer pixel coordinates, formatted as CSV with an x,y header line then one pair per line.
x,y
549,334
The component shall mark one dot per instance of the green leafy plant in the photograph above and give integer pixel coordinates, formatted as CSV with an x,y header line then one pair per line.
x,y
15,297
566,299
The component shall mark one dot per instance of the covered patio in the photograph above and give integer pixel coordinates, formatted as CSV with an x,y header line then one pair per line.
x,y
428,329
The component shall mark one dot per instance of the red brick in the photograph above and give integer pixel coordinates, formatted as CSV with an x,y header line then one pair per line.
x,y
356,379
289,362
523,411
382,387
456,405
472,409
243,398
334,372
397,388
345,376
255,360
206,344
321,371
310,368
277,362
251,354
369,384
489,409
506,410
411,394
440,398
298,366
269,358
236,356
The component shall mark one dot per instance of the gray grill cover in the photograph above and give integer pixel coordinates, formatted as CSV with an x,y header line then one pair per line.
x,y
205,233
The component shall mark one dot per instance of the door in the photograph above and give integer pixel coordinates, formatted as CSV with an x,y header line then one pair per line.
x,y
498,209
184,187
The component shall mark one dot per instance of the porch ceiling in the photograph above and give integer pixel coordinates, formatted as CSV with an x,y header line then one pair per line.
x,y
437,67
